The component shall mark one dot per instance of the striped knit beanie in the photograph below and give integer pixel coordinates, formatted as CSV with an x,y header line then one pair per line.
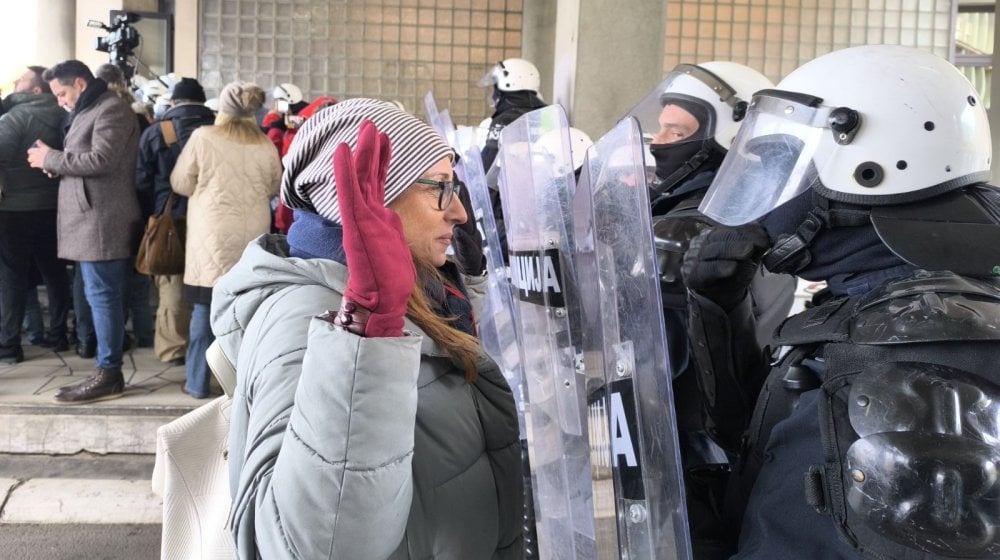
x,y
308,180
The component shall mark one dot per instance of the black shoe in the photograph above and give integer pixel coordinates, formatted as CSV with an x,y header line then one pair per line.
x,y
57,344
11,354
86,348
104,384
177,362
36,339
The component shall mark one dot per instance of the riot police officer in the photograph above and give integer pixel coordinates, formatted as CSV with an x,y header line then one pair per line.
x,y
874,435
515,84
690,120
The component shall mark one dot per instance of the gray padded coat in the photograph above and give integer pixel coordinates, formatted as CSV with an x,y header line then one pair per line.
x,y
354,448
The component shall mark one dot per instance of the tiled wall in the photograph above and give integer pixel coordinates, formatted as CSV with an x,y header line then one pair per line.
x,y
391,49
777,36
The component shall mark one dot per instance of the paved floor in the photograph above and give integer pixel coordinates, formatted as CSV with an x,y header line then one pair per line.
x,y
36,380
33,427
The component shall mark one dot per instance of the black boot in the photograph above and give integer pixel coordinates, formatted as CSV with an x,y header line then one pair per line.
x,y
103,385
56,343
86,348
11,354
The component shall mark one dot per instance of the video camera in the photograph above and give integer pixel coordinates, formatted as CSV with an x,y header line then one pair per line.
x,y
121,40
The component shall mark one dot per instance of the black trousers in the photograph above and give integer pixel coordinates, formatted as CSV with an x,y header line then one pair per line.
x,y
28,239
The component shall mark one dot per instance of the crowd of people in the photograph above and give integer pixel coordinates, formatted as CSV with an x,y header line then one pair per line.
x,y
79,185
367,422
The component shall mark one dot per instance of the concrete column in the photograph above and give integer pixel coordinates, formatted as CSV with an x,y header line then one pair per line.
x,y
538,40
23,44
57,43
995,103
186,38
597,58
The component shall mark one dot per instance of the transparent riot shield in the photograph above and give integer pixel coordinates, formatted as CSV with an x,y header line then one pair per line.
x,y
496,323
536,187
632,413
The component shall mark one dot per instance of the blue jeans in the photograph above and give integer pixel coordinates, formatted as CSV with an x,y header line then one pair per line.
x,y
198,375
104,283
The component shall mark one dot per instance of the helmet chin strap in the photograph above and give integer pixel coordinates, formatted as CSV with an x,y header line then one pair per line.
x,y
790,252
660,187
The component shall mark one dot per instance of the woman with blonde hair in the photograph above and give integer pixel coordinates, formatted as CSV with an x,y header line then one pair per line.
x,y
229,171
366,421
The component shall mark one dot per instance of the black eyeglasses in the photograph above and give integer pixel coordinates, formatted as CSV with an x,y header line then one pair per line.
x,y
447,191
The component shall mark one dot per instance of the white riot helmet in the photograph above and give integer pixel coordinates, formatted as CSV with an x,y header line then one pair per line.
x,y
692,117
287,92
878,125
717,93
553,143
512,74
152,90
161,106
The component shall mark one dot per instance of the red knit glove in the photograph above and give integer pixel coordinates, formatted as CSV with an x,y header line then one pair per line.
x,y
380,268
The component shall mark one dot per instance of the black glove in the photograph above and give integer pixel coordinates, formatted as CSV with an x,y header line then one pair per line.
x,y
720,263
466,239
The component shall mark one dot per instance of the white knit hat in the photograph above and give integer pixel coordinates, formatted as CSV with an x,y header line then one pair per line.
x,y
308,180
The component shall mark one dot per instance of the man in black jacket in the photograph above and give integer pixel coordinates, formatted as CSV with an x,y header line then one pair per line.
x,y
159,147
28,213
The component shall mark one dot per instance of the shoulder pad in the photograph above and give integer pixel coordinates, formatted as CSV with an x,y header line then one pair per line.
x,y
928,307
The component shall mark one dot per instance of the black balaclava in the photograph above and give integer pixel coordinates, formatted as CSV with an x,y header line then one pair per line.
x,y
835,252
504,101
679,160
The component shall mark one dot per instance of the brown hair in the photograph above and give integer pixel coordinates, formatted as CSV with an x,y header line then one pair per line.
x,y
458,343
36,78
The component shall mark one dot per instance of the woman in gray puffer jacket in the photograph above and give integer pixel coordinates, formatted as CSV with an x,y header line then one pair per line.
x,y
379,430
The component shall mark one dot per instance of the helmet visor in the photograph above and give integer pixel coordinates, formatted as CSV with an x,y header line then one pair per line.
x,y
686,87
490,78
770,161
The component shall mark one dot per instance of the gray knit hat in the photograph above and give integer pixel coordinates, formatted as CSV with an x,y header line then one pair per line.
x,y
308,180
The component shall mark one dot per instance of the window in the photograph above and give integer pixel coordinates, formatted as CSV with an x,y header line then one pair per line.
x,y
974,45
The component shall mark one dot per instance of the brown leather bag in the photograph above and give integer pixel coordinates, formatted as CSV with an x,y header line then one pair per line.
x,y
161,251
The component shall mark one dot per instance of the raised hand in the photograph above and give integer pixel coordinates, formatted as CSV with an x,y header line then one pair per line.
x,y
381,275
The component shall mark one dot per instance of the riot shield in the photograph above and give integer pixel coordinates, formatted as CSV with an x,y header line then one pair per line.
x,y
632,413
496,323
536,186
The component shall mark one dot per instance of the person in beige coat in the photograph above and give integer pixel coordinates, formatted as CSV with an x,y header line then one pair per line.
x,y
229,172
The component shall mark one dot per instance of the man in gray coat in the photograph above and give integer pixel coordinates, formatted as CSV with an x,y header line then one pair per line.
x,y
98,214
28,214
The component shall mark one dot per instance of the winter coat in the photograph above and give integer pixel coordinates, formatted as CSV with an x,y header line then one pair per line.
x,y
351,447
229,186
157,160
98,215
29,117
